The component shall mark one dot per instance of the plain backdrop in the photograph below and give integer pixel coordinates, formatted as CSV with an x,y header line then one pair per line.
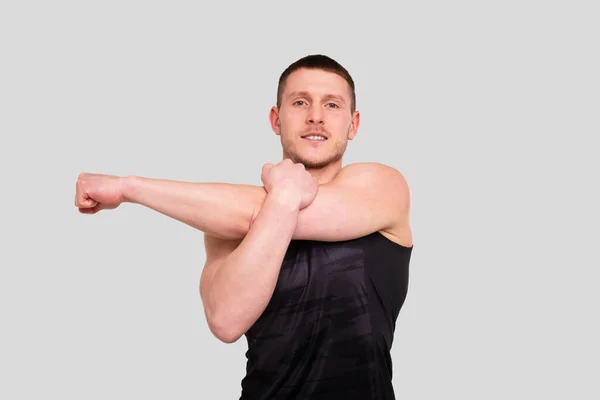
x,y
489,109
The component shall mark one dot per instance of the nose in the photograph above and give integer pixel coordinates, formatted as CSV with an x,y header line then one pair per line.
x,y
315,115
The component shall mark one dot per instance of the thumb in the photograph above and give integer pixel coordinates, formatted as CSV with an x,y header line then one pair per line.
x,y
82,200
266,168
265,173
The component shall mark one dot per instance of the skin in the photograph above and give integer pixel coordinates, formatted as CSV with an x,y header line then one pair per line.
x,y
315,101
308,195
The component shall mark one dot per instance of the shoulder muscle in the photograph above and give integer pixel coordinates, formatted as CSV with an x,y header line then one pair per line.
x,y
363,198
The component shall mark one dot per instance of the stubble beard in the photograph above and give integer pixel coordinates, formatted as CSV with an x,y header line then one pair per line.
x,y
290,152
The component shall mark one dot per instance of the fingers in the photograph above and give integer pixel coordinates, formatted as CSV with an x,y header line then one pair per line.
x,y
95,209
286,161
286,167
81,198
84,202
267,167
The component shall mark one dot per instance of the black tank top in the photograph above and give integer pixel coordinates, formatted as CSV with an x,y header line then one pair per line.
x,y
328,328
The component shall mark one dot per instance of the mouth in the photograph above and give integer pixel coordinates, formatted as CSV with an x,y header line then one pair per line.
x,y
315,137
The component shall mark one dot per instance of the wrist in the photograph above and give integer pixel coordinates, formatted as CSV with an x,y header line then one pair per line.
x,y
128,188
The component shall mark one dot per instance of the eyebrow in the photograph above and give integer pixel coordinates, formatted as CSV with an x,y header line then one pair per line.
x,y
303,93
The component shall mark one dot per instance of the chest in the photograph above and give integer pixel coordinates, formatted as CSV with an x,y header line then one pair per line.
x,y
320,272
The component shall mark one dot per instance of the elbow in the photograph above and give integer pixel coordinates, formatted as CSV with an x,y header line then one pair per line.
x,y
224,329
227,336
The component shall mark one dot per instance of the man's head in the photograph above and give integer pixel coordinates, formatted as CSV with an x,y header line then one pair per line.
x,y
315,95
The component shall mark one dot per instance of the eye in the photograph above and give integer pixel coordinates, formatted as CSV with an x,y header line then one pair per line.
x,y
299,101
332,105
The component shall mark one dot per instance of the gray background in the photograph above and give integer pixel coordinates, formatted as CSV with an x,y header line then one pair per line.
x,y
488,108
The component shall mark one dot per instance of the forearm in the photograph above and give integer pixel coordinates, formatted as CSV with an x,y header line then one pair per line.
x,y
243,284
222,210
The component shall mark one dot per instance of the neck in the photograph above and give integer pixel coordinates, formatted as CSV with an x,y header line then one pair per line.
x,y
326,173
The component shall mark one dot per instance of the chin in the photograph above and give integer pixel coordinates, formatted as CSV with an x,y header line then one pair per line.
x,y
315,162
312,159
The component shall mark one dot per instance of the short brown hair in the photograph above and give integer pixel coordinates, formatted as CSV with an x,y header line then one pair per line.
x,y
317,61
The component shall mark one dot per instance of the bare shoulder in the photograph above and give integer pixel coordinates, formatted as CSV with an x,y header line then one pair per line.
x,y
389,184
376,175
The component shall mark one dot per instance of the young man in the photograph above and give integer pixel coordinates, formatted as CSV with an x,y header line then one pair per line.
x,y
312,267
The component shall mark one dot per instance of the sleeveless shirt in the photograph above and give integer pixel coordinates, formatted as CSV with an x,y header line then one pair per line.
x,y
328,328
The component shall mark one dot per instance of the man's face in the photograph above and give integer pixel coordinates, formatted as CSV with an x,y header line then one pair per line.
x,y
315,103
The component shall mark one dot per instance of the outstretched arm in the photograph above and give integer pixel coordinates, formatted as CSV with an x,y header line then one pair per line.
x,y
363,198
222,210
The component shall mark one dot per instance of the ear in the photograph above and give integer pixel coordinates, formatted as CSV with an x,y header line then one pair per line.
x,y
274,120
354,125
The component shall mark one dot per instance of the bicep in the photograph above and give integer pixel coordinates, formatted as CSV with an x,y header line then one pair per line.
x,y
363,198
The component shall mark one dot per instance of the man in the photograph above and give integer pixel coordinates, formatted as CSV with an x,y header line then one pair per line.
x,y
312,267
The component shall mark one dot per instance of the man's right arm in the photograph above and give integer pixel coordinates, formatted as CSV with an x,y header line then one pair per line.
x,y
362,198
239,277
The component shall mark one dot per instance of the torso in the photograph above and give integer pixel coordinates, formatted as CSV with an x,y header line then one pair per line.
x,y
328,328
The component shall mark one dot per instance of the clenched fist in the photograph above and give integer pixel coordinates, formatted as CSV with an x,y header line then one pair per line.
x,y
95,192
290,179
